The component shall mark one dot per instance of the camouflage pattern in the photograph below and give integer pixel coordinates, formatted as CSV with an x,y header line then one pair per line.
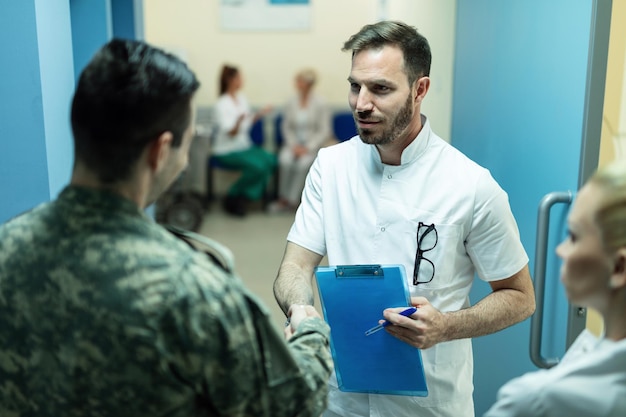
x,y
105,313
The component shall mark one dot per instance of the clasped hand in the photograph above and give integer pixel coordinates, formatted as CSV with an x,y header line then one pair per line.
x,y
297,313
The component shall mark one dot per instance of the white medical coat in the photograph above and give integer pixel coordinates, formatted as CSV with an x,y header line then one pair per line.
x,y
227,112
357,210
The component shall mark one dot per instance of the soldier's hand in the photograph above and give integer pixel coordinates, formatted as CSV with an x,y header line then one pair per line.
x,y
297,313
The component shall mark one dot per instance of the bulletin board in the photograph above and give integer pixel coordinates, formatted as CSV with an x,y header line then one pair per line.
x,y
265,15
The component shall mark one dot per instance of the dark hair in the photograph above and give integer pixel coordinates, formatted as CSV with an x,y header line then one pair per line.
x,y
127,96
417,56
228,73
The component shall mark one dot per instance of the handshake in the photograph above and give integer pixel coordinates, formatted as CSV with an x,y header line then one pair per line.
x,y
296,314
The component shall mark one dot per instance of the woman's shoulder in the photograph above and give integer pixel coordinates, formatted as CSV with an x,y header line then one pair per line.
x,y
292,102
224,100
318,100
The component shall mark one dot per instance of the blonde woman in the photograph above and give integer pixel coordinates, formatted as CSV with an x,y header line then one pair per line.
x,y
306,125
591,378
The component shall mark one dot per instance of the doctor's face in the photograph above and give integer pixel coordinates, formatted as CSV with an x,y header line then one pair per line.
x,y
382,101
587,266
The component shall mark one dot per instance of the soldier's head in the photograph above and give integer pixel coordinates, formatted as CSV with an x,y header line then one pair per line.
x,y
129,98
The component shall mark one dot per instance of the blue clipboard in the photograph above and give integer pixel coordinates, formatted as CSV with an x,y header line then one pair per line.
x,y
353,298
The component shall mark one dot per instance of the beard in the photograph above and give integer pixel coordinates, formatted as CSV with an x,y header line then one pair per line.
x,y
393,130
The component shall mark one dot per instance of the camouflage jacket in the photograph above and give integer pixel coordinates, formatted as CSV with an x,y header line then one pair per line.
x,y
105,313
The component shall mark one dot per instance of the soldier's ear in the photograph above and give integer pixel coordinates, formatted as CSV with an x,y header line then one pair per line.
x,y
159,151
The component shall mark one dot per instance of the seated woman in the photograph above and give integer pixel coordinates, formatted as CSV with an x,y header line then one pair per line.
x,y
306,125
590,380
233,147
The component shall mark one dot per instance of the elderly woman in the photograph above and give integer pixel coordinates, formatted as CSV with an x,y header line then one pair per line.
x,y
306,125
591,378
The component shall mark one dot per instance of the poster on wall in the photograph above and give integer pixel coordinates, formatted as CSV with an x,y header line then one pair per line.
x,y
265,15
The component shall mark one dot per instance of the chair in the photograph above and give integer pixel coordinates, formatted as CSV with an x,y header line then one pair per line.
x,y
343,126
257,133
279,141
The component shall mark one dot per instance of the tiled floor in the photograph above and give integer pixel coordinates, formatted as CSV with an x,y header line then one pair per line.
x,y
258,242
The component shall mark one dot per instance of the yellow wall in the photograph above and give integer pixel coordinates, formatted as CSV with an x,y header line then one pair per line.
x,y
613,96
268,60
613,120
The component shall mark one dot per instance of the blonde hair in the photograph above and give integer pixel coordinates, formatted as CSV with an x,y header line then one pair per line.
x,y
307,75
611,213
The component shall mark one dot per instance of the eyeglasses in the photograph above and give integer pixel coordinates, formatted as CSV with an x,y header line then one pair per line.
x,y
427,239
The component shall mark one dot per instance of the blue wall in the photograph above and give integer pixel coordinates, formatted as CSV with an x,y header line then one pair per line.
x,y
521,69
127,19
95,22
57,85
45,44
33,103
92,27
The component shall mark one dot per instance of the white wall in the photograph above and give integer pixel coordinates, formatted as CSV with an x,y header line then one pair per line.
x,y
268,60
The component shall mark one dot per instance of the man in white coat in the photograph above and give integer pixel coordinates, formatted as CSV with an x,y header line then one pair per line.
x,y
399,194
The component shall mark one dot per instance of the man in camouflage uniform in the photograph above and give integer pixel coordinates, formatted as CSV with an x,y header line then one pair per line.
x,y
105,313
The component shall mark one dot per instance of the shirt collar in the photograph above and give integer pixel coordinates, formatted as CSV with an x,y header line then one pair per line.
x,y
419,144
415,149
90,200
